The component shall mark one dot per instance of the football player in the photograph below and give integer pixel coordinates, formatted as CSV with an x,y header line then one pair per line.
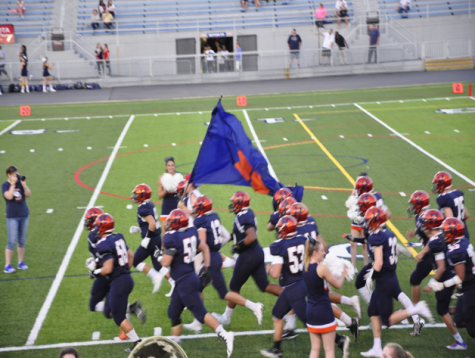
x,y
150,229
430,223
209,231
461,258
180,246
279,196
115,259
383,253
251,256
101,286
418,205
449,200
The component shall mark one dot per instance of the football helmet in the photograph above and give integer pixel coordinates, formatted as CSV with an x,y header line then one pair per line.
x,y
374,219
432,219
452,229
104,224
91,216
180,188
177,220
286,227
203,205
299,211
239,201
365,202
419,201
141,193
363,185
442,180
285,205
280,195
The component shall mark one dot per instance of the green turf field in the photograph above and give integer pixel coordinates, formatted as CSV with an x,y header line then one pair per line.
x,y
63,180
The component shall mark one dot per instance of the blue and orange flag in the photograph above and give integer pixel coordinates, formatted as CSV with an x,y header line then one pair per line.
x,y
227,156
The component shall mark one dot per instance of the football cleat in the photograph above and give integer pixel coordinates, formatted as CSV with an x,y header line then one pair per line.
x,y
298,211
286,227
419,201
457,346
141,193
355,328
177,220
195,326
374,219
157,281
129,350
363,184
442,180
222,319
258,312
372,353
355,304
344,345
365,202
202,206
272,353
289,334
227,337
137,309
91,216
423,309
104,224
285,205
239,201
452,230
417,327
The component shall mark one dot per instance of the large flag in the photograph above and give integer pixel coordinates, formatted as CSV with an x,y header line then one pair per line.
x,y
228,157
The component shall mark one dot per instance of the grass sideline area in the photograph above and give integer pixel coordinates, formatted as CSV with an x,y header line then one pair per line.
x,y
58,181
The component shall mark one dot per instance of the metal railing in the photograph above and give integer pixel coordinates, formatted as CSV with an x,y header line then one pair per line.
x,y
428,10
436,50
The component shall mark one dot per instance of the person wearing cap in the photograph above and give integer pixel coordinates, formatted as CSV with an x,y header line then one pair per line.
x,y
15,191
167,185
295,44
47,76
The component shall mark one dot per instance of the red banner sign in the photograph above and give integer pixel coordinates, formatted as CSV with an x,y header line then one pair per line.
x,y
7,34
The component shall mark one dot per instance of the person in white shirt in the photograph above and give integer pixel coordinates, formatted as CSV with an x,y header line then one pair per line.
x,y
341,11
327,46
404,7
111,8
21,8
225,54
220,60
209,59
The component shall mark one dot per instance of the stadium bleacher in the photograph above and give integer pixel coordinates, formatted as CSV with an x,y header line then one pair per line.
x,y
420,8
210,15
36,19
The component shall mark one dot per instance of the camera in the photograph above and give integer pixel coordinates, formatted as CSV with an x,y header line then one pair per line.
x,y
21,177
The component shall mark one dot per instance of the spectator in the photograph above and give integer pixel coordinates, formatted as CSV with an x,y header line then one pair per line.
x,y
245,4
21,8
320,15
107,19
327,45
342,47
341,11
404,7
15,191
99,59
221,63
394,350
238,57
47,76
3,61
105,56
226,58
295,44
101,7
373,43
95,18
111,8
24,69
68,353
209,59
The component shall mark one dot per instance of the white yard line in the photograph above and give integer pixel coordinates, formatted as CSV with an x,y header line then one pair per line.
x,y
64,265
417,147
259,145
10,127
195,336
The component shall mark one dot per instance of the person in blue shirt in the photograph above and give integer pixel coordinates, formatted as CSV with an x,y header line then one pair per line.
x,y
238,57
251,256
15,191
114,260
461,257
382,248
209,231
295,44
450,201
181,244
431,221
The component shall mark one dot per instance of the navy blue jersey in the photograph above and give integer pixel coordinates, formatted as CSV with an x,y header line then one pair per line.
x,y
438,249
114,247
292,251
453,200
388,241
274,218
243,221
144,210
92,240
308,229
462,252
317,287
212,225
182,246
421,235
